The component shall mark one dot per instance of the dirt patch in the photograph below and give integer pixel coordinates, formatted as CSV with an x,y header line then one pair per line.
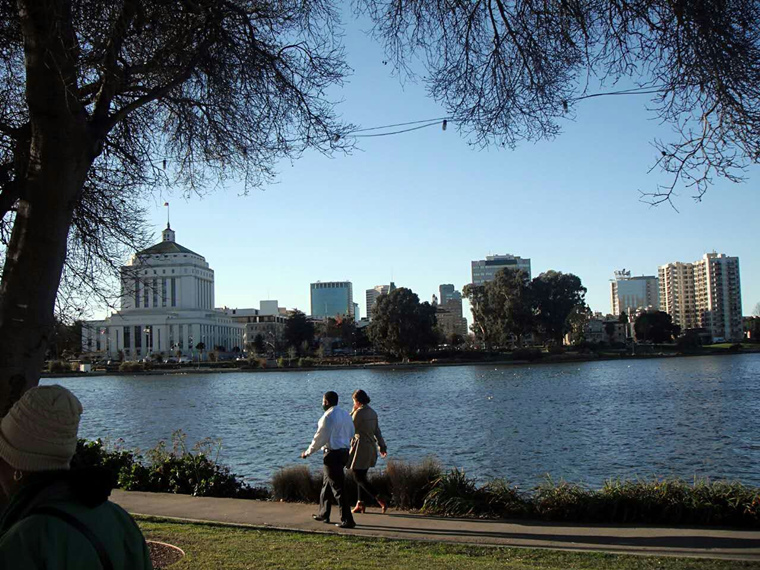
x,y
163,555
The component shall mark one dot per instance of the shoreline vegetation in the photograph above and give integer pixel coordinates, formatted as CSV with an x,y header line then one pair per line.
x,y
518,357
428,488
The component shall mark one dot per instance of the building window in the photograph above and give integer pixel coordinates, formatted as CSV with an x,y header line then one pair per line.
x,y
174,291
137,292
127,339
163,292
155,292
146,299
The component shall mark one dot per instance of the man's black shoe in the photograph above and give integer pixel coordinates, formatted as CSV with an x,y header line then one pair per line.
x,y
346,524
320,519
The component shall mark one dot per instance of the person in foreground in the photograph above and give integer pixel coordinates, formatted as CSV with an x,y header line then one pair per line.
x,y
58,518
363,452
334,432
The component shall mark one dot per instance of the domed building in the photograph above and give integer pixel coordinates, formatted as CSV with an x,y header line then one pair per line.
x,y
167,307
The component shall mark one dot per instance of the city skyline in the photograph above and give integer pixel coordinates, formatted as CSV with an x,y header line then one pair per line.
x,y
306,308
417,208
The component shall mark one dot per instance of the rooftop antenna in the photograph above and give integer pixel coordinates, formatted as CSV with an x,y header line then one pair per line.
x,y
167,214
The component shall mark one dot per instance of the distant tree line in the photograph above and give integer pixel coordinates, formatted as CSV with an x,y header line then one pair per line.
x,y
512,306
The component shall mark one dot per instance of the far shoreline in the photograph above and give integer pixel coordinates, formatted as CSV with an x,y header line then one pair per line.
x,y
567,358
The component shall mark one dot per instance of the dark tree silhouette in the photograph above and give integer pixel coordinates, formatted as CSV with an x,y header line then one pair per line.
x,y
401,325
511,70
103,101
655,326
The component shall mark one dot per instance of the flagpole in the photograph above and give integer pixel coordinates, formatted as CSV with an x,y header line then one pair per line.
x,y
167,214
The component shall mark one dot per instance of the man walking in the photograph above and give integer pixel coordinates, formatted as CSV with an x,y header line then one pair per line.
x,y
334,432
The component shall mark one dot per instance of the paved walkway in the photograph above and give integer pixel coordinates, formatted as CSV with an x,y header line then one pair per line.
x,y
692,542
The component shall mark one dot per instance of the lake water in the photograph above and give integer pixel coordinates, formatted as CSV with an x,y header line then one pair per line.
x,y
583,422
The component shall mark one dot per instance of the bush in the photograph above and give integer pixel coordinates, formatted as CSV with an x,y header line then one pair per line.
x,y
296,484
529,354
560,502
281,362
454,495
131,366
180,470
409,483
59,366
556,349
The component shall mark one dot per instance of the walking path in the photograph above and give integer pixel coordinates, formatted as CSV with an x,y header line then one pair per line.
x,y
692,542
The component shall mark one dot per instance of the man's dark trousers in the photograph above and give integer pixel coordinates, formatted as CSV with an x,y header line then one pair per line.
x,y
333,480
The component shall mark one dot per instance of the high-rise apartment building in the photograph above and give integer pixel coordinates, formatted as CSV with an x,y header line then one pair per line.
x,y
719,296
332,299
448,293
484,270
704,294
374,293
677,293
632,293
449,312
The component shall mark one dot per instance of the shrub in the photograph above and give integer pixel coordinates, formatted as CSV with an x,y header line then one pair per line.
x,y
563,501
58,366
296,484
529,354
409,482
131,366
453,494
281,362
505,500
556,349
180,470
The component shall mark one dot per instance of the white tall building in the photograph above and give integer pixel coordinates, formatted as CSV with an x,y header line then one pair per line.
x,y
374,293
704,294
484,270
167,306
719,296
632,293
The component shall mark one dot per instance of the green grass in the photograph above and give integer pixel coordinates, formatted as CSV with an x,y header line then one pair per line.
x,y
744,345
209,546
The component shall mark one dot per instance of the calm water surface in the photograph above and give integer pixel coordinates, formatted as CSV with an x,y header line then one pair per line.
x,y
581,422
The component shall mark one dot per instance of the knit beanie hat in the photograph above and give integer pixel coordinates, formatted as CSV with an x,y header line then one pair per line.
x,y
39,433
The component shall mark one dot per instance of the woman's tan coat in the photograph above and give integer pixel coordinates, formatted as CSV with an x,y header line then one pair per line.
x,y
367,439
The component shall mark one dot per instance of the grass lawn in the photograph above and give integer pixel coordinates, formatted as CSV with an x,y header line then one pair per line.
x,y
216,546
744,345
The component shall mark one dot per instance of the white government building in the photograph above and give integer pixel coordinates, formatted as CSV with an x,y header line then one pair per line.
x,y
167,306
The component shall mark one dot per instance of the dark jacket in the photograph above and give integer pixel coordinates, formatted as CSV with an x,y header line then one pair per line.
x,y
37,541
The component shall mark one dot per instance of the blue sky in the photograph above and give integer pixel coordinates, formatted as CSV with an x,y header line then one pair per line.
x,y
418,207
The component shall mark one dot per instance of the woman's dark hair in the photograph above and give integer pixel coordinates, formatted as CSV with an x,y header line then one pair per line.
x,y
361,397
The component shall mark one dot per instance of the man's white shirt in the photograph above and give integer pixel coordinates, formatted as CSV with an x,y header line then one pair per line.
x,y
335,429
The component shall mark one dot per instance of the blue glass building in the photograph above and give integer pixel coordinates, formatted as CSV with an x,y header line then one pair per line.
x,y
332,299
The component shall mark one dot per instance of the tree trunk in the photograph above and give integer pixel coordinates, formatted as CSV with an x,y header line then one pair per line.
x,y
61,151
32,273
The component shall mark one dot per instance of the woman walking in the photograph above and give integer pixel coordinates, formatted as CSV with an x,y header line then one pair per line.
x,y
363,452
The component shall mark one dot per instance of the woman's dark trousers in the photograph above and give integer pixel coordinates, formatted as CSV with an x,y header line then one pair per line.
x,y
362,483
